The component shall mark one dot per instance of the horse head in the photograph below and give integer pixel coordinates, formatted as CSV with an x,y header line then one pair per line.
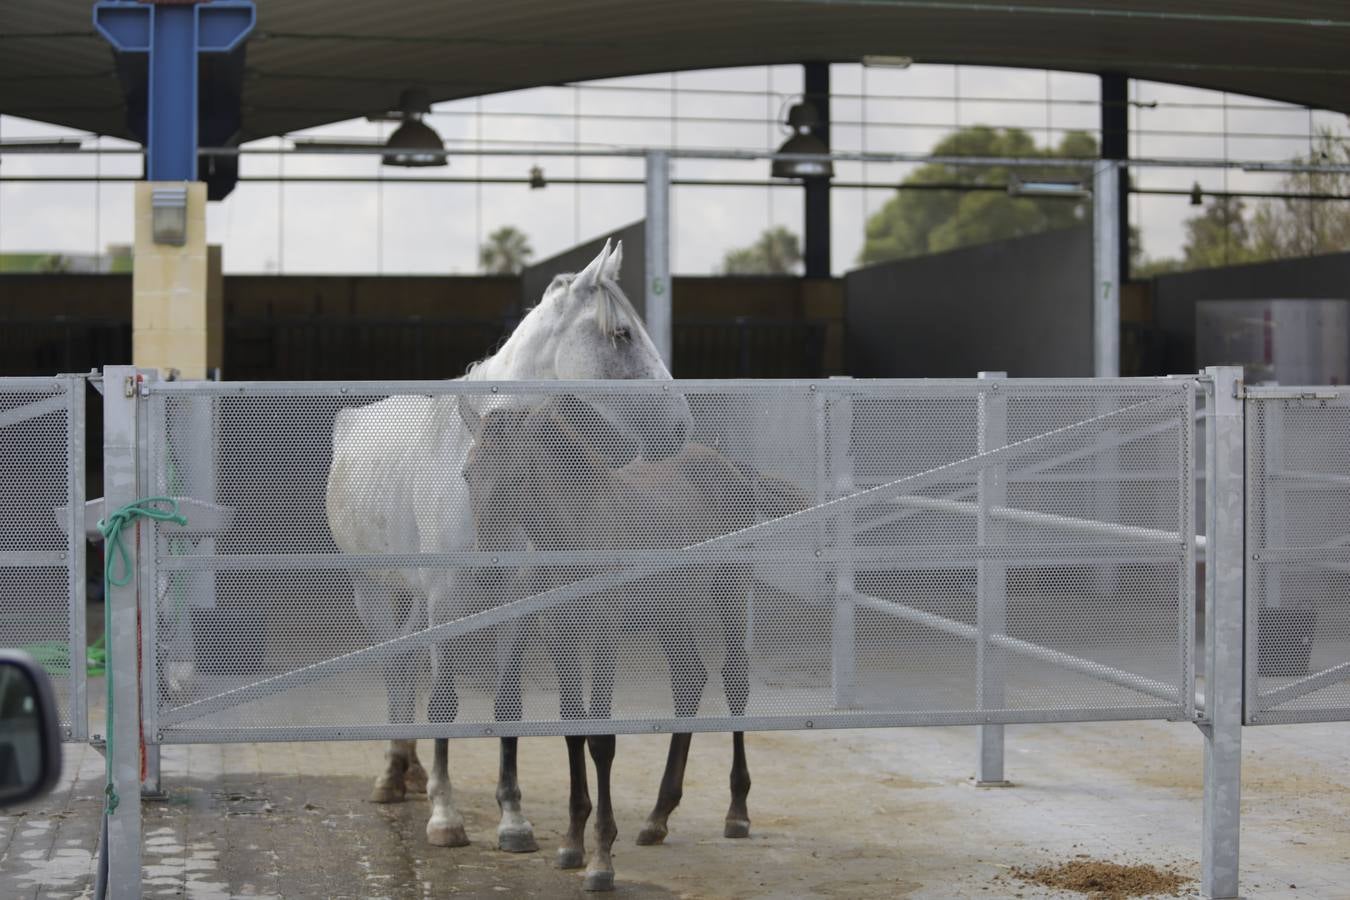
x,y
585,329
528,468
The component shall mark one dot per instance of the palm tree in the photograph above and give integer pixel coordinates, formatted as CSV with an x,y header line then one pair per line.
x,y
505,252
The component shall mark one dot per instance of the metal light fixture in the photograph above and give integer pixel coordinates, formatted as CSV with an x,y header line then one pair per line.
x,y
414,143
1197,196
885,61
537,180
802,118
1045,187
168,215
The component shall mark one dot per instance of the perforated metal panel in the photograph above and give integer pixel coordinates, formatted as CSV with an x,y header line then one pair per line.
x,y
451,558
1298,543
42,581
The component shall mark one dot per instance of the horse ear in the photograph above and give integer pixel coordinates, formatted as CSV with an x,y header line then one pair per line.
x,y
588,277
614,263
469,415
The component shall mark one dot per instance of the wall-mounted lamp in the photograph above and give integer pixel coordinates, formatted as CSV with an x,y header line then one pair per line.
x,y
537,180
882,61
168,215
802,118
1044,187
1197,196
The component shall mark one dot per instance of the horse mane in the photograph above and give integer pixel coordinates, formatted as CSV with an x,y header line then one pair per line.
x,y
613,307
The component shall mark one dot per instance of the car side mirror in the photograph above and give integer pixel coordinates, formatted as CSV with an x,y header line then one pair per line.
x,y
30,738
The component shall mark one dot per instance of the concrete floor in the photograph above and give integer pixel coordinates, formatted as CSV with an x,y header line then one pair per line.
x,y
865,814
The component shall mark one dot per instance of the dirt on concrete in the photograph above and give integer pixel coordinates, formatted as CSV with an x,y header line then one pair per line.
x,y
1102,880
865,815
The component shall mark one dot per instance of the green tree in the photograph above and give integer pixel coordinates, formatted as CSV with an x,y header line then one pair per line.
x,y
919,221
505,252
1288,227
1223,234
777,252
1218,236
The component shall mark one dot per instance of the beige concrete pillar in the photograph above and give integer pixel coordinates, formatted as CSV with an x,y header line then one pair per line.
x,y
177,309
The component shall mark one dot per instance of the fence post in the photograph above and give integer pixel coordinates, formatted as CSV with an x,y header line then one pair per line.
x,y
1106,267
1224,572
991,581
657,254
76,548
151,787
120,389
836,420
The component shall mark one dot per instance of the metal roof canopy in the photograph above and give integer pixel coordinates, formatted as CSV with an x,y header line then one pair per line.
x,y
312,62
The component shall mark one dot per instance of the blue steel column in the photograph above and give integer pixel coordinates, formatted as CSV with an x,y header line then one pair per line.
x,y
172,137
173,35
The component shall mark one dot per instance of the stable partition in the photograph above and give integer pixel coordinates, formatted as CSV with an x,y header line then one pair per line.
x,y
823,554
1298,543
444,559
42,533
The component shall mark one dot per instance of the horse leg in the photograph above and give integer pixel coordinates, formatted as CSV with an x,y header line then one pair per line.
x,y
572,853
402,770
736,680
445,828
515,834
672,789
600,872
738,815
687,678
383,609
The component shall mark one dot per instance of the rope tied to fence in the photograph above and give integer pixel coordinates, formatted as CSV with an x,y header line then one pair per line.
x,y
116,555
115,552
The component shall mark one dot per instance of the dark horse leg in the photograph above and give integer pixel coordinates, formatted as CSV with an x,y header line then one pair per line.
x,y
736,680
687,678
515,834
445,828
567,664
600,872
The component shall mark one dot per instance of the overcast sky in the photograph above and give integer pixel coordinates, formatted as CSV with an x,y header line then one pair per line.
x,y
436,228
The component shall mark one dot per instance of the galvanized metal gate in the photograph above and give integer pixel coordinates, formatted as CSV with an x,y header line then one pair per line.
x,y
448,558
42,537
832,554
1298,542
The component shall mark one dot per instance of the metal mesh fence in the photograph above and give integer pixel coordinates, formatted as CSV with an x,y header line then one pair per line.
x,y
42,579
1298,543
456,558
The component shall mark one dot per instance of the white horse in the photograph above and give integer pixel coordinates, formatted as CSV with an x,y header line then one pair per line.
x,y
395,486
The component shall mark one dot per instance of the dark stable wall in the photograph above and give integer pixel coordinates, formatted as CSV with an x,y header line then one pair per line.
x,y
1174,296
347,327
1022,306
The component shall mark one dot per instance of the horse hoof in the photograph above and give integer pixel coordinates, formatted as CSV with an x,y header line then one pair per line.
x,y
446,834
598,881
651,835
415,780
571,858
516,840
388,792
737,828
